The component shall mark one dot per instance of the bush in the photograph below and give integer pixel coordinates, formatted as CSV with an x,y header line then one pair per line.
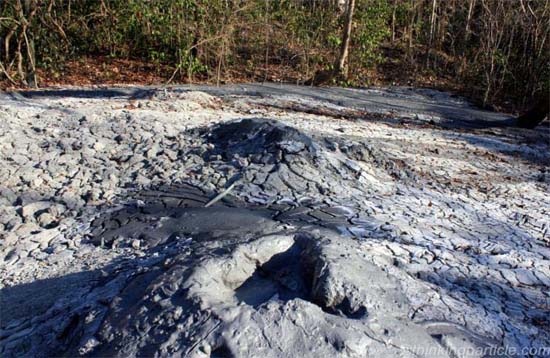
x,y
493,49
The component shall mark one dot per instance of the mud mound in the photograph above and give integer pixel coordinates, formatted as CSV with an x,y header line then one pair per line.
x,y
157,222
203,279
186,100
211,286
262,141
270,160
275,246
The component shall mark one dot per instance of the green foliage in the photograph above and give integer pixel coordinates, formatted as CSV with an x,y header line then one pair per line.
x,y
492,48
370,31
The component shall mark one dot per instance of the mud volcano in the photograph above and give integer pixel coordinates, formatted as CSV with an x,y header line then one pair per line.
x,y
260,288
268,159
261,141
238,277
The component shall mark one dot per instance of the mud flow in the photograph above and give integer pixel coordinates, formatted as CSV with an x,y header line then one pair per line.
x,y
270,232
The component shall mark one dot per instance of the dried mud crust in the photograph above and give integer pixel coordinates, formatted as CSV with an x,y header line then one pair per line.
x,y
130,232
190,296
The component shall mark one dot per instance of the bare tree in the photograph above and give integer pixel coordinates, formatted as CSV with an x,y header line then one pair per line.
x,y
341,68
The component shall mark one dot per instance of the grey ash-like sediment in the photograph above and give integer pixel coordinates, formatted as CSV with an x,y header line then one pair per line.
x,y
325,244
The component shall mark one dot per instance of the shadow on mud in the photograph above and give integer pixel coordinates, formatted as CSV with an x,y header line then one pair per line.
x,y
102,93
530,146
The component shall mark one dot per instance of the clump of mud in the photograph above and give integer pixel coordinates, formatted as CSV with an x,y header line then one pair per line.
x,y
262,141
273,160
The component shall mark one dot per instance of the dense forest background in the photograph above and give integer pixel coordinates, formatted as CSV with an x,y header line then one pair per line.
x,y
494,51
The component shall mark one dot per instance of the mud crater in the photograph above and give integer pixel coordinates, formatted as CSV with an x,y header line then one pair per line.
x,y
289,275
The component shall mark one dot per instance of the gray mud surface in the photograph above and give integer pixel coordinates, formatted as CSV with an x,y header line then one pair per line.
x,y
272,221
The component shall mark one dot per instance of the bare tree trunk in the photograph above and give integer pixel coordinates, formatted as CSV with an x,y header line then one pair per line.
x,y
341,68
469,18
411,29
27,15
267,33
393,21
432,29
432,21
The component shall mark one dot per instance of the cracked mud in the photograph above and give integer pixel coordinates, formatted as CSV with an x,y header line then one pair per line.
x,y
241,222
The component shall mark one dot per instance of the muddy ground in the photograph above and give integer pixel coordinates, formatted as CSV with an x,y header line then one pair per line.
x,y
268,220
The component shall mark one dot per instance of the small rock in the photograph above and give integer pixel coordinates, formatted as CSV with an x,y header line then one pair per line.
x,y
526,277
46,220
57,209
136,244
44,237
172,155
29,210
26,229
152,152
